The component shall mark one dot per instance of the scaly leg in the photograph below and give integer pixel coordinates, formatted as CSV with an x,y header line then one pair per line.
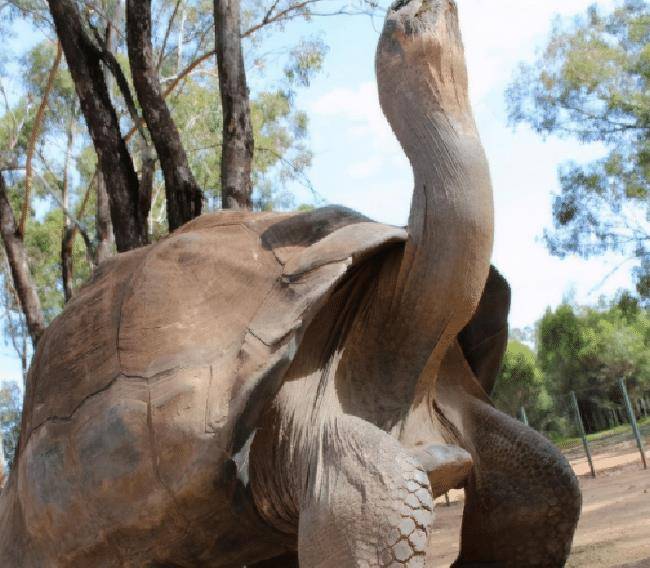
x,y
522,498
357,496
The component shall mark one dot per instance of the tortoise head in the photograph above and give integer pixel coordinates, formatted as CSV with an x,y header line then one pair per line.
x,y
419,58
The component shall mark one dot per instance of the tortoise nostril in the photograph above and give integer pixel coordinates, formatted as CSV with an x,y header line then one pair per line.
x,y
398,4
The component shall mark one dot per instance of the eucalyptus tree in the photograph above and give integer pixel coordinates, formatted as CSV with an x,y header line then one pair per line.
x,y
238,142
93,143
184,197
592,82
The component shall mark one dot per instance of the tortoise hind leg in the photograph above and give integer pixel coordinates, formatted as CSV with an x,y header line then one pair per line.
x,y
522,500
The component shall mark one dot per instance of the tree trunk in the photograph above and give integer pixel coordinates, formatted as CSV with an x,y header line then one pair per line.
x,y
103,225
147,174
67,234
33,138
67,243
83,58
103,228
237,149
183,194
18,262
24,367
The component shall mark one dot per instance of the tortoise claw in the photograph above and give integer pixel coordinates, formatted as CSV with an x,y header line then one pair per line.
x,y
447,466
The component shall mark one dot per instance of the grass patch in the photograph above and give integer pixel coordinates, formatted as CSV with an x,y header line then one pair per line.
x,y
570,442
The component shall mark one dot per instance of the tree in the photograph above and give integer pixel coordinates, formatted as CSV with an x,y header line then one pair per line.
x,y
10,413
521,383
587,350
592,82
184,198
129,206
560,341
238,143
18,263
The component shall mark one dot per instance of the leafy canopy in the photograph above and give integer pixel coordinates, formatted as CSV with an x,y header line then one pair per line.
x,y
592,348
580,349
591,82
520,382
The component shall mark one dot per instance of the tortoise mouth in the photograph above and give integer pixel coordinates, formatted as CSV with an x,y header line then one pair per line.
x,y
415,17
398,4
416,26
419,36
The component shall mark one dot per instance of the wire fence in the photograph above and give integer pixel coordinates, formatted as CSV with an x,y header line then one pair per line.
x,y
597,429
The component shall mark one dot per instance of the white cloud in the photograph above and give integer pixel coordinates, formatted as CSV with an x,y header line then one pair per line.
x,y
365,168
359,108
499,33
359,163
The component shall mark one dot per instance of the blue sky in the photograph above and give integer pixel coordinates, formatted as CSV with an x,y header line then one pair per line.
x,y
358,163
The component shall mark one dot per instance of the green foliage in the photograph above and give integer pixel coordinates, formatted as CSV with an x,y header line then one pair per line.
x,y
43,240
585,350
15,125
279,130
305,60
560,339
592,82
520,383
590,349
10,412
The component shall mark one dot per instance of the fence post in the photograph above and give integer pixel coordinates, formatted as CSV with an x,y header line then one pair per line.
x,y
632,417
524,417
447,500
581,430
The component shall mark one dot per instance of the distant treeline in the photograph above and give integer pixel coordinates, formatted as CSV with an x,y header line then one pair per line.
x,y
580,349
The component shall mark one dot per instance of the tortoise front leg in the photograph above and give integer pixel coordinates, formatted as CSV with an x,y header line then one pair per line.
x,y
354,494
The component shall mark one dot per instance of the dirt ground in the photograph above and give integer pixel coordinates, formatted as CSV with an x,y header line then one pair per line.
x,y
614,528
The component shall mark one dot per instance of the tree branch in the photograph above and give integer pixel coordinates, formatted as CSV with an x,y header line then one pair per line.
x,y
116,70
18,262
38,123
300,9
184,198
168,31
174,83
288,13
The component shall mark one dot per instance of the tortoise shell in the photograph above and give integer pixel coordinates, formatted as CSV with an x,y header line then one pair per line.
x,y
156,372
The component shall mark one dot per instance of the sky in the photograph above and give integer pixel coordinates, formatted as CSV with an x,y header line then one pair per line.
x,y
358,163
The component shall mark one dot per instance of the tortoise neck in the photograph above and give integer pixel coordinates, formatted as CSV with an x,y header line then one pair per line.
x,y
423,93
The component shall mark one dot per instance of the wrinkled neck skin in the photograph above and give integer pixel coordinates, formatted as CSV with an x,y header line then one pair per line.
x,y
425,299
359,396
